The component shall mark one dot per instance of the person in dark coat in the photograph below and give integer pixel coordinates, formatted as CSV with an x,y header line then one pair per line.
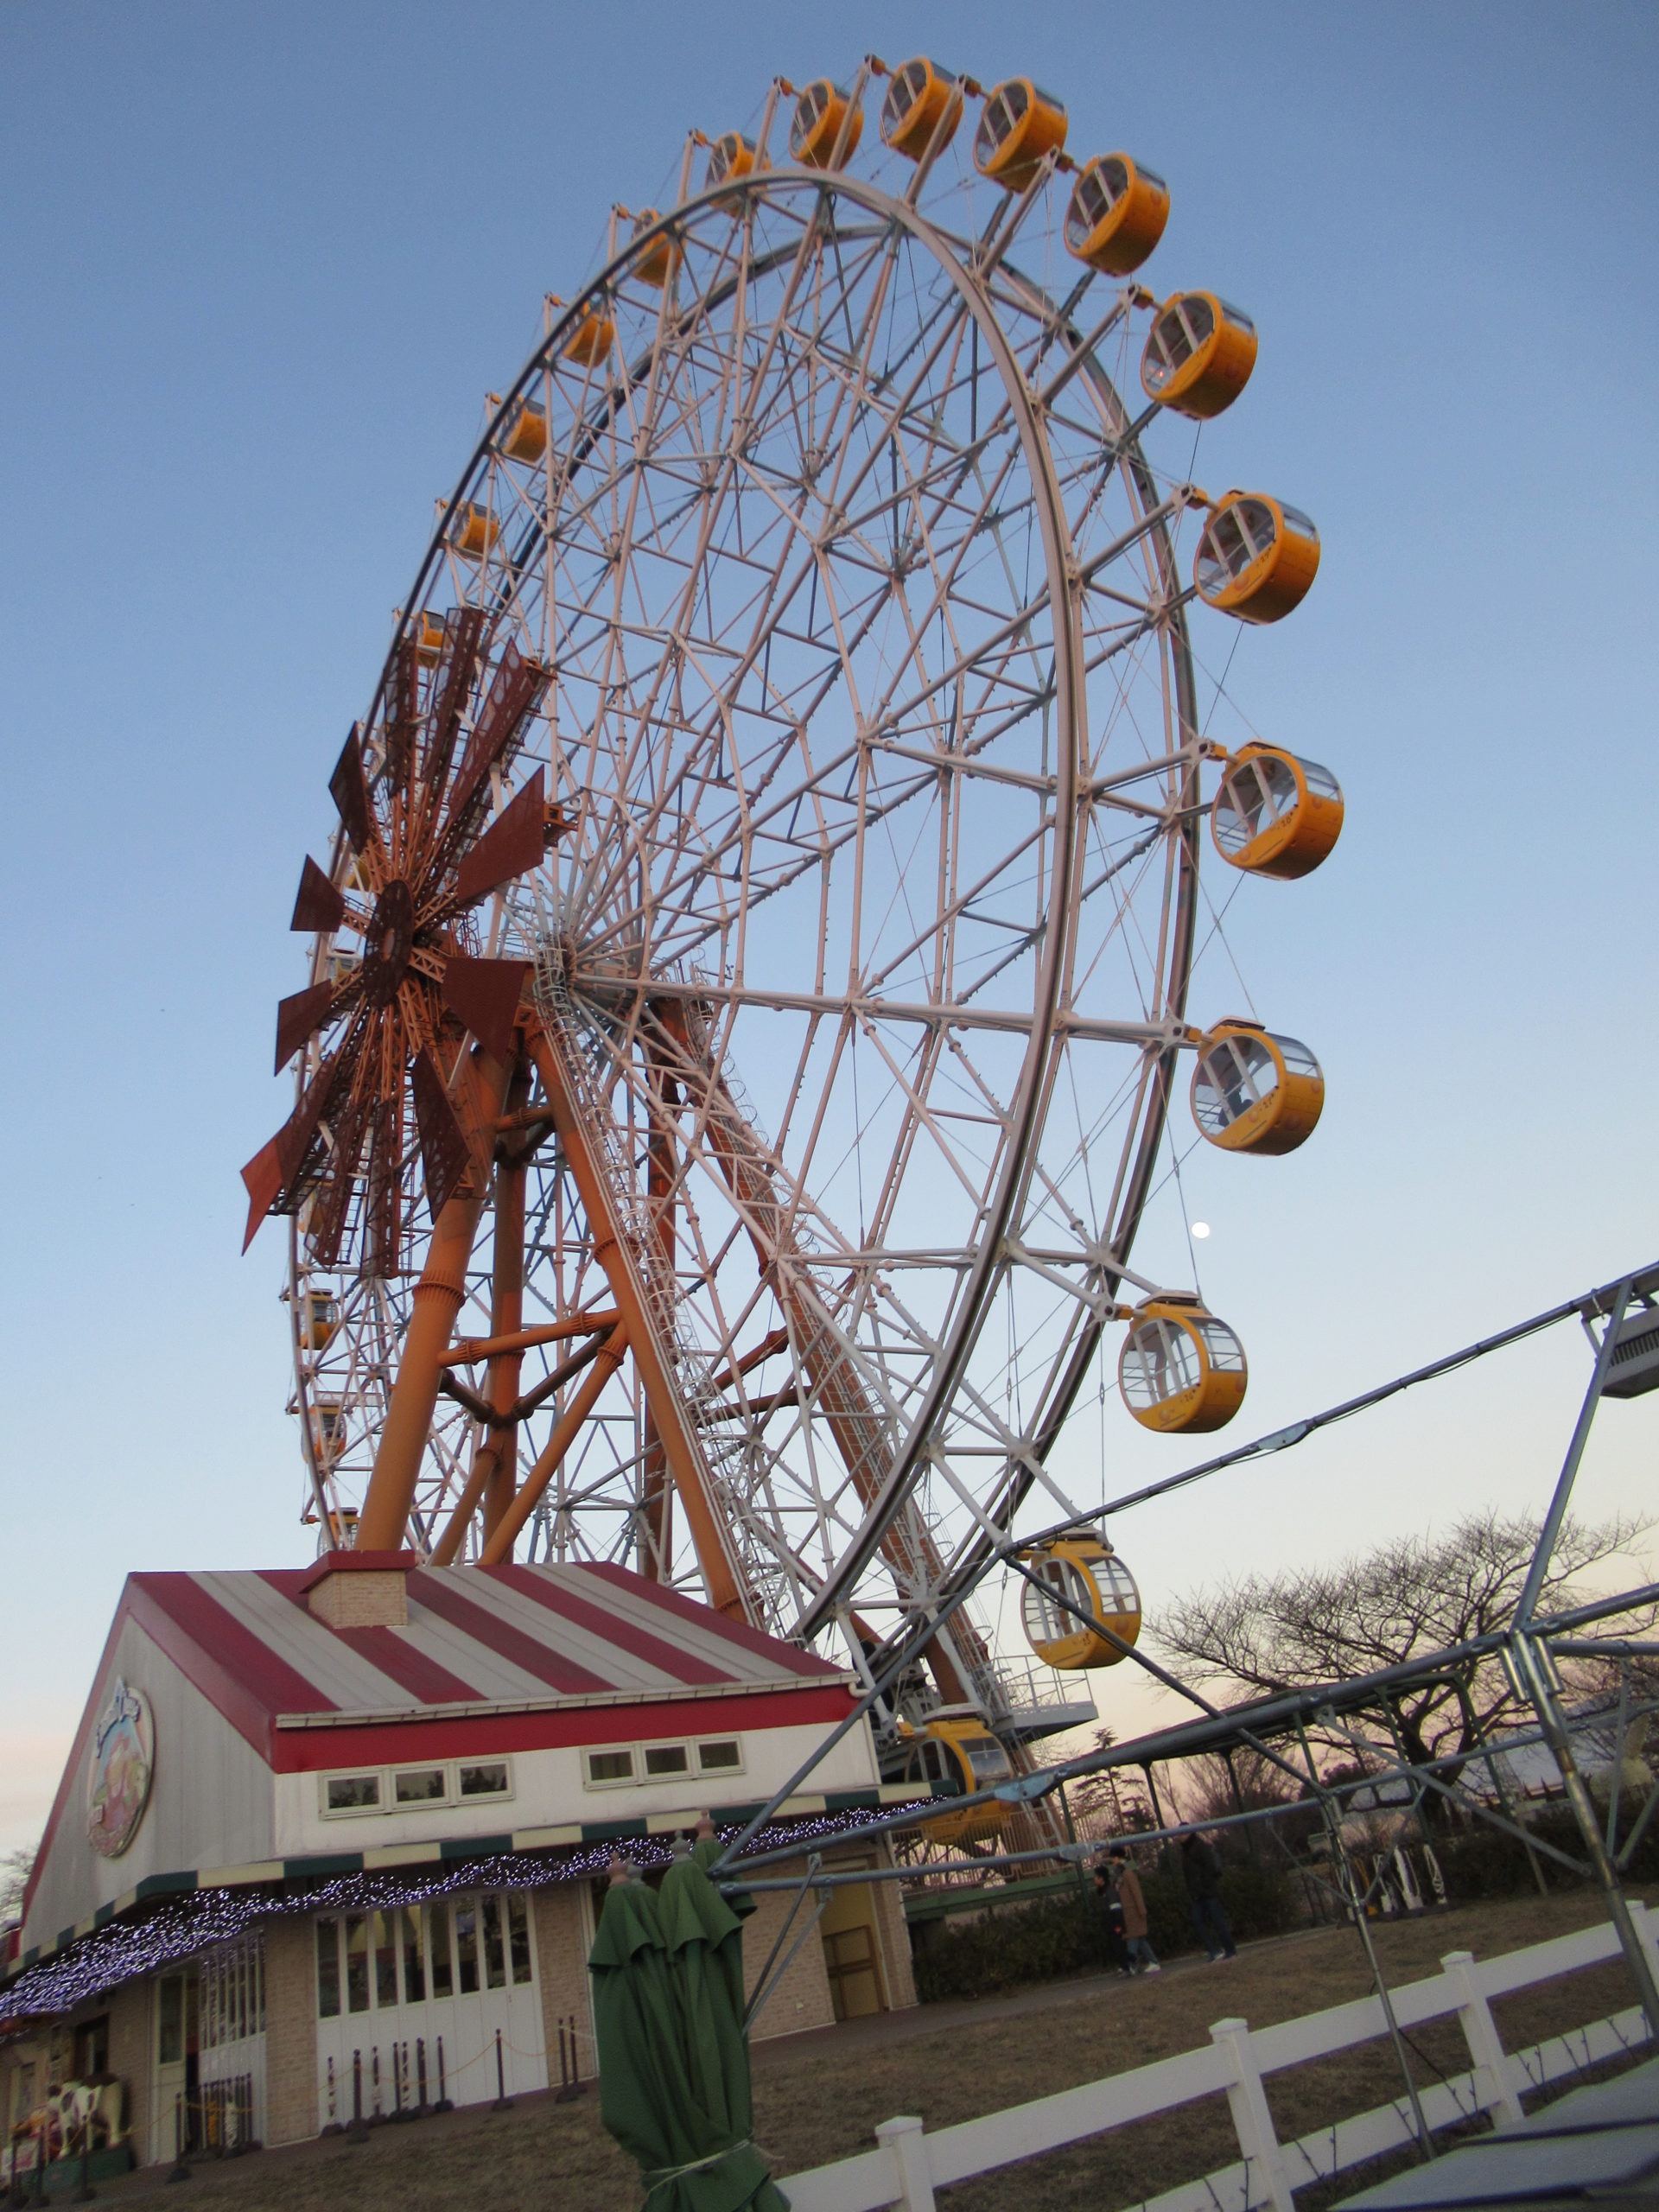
x,y
1203,1871
1111,1916
1133,1899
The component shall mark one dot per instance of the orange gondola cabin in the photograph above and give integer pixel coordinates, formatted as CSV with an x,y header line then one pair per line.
x,y
1256,558
923,98
1275,813
1021,124
1116,213
1254,1092
1181,1370
1199,354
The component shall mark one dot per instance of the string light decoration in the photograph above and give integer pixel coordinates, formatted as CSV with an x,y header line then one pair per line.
x,y
179,1928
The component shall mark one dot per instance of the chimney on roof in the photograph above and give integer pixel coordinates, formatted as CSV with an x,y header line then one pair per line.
x,y
360,1589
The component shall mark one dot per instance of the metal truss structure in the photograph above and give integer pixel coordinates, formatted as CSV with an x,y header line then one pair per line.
x,y
1357,1713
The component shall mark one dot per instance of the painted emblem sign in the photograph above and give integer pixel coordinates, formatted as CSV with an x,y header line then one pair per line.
x,y
124,1763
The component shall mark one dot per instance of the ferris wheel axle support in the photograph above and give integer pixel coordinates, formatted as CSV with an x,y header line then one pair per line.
x,y
500,1540
437,1299
679,1443
448,1544
506,1319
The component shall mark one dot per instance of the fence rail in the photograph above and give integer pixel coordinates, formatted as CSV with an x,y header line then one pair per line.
x,y
910,2163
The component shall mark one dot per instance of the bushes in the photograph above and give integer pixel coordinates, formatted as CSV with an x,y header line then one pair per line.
x,y
1482,1861
1002,1950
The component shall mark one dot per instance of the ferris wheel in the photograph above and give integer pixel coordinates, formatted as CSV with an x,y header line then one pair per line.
x,y
749,980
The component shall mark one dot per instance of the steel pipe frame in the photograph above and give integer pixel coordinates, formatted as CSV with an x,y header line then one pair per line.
x,y
384,1518
680,1444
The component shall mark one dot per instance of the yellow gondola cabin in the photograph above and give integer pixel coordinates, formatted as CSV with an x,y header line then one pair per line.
x,y
1181,1372
958,1754
656,260
814,128
921,99
1020,125
319,1318
1199,355
1256,558
525,436
1086,1573
1275,814
1116,214
730,158
1256,1092
475,531
590,342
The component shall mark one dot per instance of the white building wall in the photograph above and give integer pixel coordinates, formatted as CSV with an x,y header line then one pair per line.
x,y
210,1802
550,1791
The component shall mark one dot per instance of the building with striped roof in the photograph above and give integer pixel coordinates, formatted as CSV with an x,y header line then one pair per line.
x,y
380,1792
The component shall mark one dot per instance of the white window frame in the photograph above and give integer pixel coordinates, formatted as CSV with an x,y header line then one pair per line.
x,y
686,1773
591,1781
442,1767
482,1796
375,1775
715,1773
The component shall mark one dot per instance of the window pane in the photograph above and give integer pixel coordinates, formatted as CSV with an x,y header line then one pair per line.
x,y
494,1961
385,1961
357,1963
610,1766
351,1793
519,1936
443,1972
467,1947
422,1785
489,1781
414,1964
713,1759
667,1758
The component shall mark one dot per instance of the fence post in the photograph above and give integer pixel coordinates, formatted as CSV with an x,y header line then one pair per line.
x,y
1252,2121
1647,1928
903,2138
1494,2091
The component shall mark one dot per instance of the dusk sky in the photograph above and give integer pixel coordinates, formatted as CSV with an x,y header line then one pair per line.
x,y
257,271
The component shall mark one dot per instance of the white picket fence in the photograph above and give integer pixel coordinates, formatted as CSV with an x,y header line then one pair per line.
x,y
909,2162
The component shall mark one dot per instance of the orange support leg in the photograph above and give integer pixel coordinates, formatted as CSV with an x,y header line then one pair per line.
x,y
384,1522
685,1461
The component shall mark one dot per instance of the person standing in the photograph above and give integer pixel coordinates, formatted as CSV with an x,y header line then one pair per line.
x,y
1111,1918
1133,1899
1203,1871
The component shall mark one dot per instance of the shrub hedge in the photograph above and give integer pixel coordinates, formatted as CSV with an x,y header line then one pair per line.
x,y
1482,1861
1066,1934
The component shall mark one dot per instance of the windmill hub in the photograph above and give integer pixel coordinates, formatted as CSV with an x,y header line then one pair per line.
x,y
390,941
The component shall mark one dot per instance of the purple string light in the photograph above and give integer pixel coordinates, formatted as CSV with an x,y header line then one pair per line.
x,y
179,1928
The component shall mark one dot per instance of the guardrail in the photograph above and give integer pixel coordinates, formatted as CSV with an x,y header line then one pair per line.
x,y
909,2162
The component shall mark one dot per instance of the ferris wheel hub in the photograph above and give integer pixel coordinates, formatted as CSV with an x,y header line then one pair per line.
x,y
390,941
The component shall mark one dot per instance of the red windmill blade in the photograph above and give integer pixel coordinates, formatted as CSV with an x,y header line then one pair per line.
x,y
418,856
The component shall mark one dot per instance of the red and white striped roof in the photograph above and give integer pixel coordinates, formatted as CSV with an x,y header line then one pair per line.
x,y
479,1640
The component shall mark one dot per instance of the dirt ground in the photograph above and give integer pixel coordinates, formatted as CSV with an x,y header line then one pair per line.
x,y
818,2096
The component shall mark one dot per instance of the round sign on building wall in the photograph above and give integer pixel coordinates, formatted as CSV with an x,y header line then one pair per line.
x,y
124,1764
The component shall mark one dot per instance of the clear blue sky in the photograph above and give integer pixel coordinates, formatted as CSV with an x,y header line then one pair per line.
x,y
258,268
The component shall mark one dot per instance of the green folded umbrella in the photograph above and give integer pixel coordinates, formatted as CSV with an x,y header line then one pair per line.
x,y
674,2084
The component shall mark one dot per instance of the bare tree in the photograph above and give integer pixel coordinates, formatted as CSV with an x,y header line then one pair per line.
x,y
15,1869
1417,1595
1112,1802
